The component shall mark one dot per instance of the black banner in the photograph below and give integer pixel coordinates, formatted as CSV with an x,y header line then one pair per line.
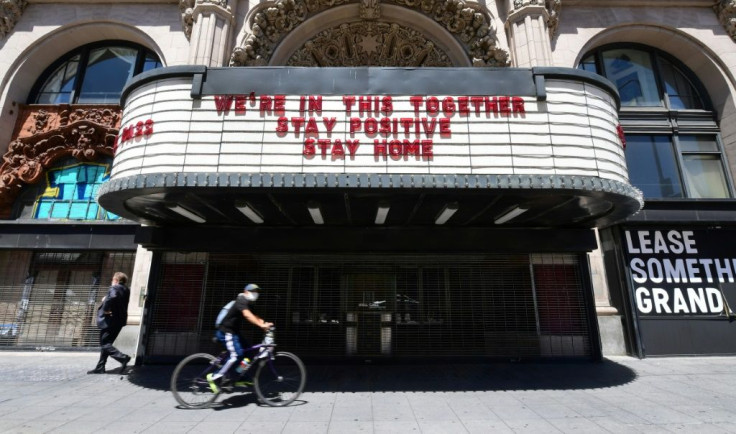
x,y
681,272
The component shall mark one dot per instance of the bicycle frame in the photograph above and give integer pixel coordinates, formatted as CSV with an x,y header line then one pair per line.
x,y
260,355
278,385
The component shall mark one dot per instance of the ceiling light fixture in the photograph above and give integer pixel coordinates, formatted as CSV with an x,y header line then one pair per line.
x,y
250,212
315,212
382,212
447,211
510,214
186,213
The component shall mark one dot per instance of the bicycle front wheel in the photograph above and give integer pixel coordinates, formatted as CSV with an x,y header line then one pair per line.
x,y
279,381
189,383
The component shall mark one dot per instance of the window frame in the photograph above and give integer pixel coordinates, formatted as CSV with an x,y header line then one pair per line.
x,y
654,55
680,153
26,205
84,52
664,120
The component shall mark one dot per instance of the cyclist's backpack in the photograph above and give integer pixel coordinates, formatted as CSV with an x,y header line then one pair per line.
x,y
223,312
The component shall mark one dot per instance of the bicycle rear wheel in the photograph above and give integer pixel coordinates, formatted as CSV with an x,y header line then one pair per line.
x,y
189,383
280,381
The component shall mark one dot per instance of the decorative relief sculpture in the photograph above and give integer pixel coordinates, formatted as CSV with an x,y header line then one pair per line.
x,y
186,9
101,116
40,122
553,7
370,9
369,43
726,10
10,12
85,134
468,22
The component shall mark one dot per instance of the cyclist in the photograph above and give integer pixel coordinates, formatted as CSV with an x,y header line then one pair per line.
x,y
229,334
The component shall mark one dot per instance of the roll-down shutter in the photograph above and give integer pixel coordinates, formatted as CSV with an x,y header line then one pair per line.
x,y
507,306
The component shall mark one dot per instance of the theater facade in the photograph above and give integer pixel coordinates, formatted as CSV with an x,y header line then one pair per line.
x,y
510,180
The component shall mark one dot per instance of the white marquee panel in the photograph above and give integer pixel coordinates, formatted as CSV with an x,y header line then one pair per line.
x,y
573,132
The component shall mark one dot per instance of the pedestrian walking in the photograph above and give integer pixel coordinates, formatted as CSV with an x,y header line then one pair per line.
x,y
112,316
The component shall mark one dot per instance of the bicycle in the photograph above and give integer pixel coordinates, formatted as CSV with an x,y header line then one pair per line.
x,y
279,377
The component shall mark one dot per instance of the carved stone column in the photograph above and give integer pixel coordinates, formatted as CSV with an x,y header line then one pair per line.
x,y
530,26
208,24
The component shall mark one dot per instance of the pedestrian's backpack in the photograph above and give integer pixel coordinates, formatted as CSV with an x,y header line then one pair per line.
x,y
223,312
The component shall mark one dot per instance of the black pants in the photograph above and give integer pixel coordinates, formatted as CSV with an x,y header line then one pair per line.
x,y
107,337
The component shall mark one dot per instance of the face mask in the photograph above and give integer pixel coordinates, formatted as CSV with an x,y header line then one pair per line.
x,y
251,296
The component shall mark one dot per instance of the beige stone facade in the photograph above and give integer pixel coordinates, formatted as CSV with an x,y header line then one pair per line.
x,y
405,33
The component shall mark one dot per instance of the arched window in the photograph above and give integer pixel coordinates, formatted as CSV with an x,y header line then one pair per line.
x,y
673,147
92,74
67,192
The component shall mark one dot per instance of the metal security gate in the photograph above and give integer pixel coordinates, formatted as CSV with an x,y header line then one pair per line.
x,y
505,306
49,299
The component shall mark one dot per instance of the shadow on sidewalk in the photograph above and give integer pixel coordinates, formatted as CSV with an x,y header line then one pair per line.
x,y
436,377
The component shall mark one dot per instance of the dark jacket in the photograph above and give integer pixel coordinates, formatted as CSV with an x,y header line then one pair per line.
x,y
233,321
116,302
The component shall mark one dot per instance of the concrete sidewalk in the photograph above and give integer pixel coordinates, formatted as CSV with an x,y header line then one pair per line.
x,y
51,392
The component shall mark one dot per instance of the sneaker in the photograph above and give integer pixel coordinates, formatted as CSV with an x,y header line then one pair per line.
x,y
243,383
213,383
124,363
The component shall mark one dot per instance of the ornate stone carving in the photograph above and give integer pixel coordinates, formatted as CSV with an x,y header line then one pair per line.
x,y
553,10
726,10
10,12
370,9
186,9
85,134
369,43
105,117
466,21
553,7
40,122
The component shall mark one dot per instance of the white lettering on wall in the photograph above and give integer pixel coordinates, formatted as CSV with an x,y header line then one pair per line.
x,y
690,301
658,260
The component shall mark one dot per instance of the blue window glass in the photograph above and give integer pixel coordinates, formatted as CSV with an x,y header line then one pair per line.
x,y
70,193
632,72
653,166
588,64
108,69
151,62
681,93
666,157
59,87
92,74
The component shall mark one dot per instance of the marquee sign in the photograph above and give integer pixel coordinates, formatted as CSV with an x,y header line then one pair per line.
x,y
678,272
411,134
369,120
